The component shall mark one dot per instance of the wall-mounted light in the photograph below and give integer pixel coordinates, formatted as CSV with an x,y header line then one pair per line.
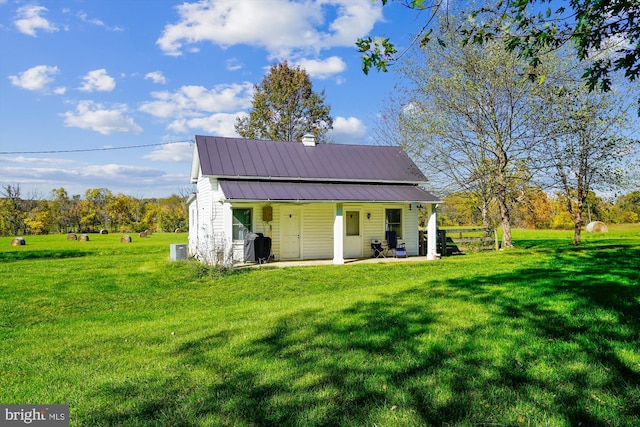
x,y
368,215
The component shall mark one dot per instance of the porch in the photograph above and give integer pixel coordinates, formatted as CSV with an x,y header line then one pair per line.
x,y
347,261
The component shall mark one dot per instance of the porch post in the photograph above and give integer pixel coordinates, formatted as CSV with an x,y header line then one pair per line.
x,y
432,230
338,244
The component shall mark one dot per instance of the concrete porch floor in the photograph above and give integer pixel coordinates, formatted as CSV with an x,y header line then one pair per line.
x,y
351,261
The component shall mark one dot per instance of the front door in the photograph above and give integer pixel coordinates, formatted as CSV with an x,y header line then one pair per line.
x,y
352,235
290,233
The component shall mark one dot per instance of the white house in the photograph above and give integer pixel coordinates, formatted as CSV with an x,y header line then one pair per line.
x,y
324,201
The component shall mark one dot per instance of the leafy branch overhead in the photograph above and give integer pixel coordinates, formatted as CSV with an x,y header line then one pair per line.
x,y
605,34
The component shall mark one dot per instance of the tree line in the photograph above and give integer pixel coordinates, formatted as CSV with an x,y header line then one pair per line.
x,y
98,210
535,209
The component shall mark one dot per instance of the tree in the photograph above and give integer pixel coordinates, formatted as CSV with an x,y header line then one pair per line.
x,y
459,209
605,32
12,215
533,209
586,147
60,208
39,219
92,210
627,208
120,211
470,111
285,108
173,214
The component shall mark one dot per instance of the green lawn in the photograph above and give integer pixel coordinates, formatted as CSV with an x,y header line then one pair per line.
x,y
546,334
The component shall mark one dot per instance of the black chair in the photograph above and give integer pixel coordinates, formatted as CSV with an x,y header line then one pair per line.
x,y
392,241
392,245
377,251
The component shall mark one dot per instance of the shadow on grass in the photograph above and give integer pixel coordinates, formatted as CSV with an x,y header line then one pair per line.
x,y
40,254
553,345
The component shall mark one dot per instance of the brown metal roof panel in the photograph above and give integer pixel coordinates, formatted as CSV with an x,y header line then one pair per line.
x,y
203,155
284,153
259,163
251,158
305,191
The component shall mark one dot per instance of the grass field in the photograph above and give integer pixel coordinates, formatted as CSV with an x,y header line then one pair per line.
x,y
546,334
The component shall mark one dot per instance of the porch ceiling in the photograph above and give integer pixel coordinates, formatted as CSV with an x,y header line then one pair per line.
x,y
318,192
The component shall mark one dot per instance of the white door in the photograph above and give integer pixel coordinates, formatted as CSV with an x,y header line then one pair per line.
x,y
290,233
352,235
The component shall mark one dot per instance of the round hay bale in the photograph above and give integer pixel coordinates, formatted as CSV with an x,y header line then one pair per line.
x,y
83,237
72,236
18,241
597,227
103,231
142,235
125,239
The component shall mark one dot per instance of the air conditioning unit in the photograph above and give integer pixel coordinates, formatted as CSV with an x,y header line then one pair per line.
x,y
178,252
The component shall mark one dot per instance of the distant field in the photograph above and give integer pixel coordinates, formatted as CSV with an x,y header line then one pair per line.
x,y
546,334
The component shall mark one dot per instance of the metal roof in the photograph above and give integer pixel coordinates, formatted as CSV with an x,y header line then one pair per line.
x,y
309,191
277,160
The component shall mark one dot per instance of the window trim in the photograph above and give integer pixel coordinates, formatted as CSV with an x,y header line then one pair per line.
x,y
234,224
400,224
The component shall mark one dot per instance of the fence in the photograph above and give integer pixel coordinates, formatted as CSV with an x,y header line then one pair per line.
x,y
458,240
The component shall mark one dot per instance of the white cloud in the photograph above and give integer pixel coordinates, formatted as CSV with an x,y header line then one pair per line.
x,y
233,64
190,101
76,178
347,130
35,78
28,20
280,26
175,152
156,77
98,80
119,171
84,17
35,160
94,116
221,124
323,69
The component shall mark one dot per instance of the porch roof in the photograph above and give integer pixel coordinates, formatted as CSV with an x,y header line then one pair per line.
x,y
319,192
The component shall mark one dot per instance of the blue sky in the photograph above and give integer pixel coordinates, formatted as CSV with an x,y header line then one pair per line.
x,y
102,74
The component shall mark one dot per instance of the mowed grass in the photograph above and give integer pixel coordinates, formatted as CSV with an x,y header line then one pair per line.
x,y
546,334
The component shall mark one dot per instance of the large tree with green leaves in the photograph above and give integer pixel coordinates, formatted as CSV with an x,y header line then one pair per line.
x,y
12,214
588,145
471,118
285,107
606,33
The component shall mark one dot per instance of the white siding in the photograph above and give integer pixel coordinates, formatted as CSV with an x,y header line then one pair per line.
x,y
210,238
374,227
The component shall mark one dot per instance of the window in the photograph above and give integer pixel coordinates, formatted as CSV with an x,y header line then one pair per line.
x,y
241,221
353,223
393,221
